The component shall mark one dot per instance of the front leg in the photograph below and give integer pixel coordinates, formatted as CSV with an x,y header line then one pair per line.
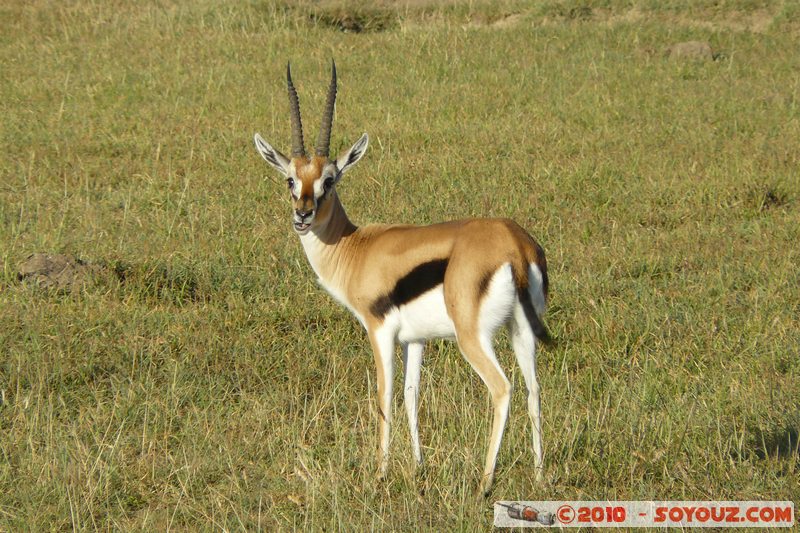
x,y
382,340
412,361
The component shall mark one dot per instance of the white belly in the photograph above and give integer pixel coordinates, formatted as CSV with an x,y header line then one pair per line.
x,y
424,318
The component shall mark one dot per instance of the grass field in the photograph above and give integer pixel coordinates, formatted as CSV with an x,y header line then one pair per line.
x,y
208,383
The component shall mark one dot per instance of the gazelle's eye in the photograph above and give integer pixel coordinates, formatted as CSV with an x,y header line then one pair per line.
x,y
290,183
328,184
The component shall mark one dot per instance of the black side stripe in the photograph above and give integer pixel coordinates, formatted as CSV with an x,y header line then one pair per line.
x,y
420,280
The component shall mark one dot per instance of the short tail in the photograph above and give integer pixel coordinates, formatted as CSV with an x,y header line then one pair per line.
x,y
538,327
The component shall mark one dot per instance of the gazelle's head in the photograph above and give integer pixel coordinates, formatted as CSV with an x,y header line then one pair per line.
x,y
311,180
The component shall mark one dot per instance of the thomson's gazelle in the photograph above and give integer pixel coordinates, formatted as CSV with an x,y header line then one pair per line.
x,y
407,284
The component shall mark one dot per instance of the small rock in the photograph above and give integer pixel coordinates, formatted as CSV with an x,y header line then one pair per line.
x,y
56,271
696,50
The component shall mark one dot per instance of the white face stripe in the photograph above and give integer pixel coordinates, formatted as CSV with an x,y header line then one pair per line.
x,y
330,171
297,188
319,188
298,185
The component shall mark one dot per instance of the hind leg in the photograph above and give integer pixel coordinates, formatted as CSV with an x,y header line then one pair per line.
x,y
477,349
524,344
476,319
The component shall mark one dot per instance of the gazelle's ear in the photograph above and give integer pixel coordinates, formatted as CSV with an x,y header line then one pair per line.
x,y
351,156
272,156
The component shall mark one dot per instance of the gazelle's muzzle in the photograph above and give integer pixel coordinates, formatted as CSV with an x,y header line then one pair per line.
x,y
304,211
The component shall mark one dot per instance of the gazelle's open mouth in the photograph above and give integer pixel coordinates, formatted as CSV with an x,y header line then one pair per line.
x,y
301,227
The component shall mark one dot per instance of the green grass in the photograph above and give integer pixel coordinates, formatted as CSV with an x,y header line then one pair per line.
x,y
215,386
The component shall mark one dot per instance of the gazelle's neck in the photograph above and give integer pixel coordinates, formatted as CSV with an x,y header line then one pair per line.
x,y
325,243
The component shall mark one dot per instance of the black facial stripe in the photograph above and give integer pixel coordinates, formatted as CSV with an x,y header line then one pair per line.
x,y
420,280
326,190
323,195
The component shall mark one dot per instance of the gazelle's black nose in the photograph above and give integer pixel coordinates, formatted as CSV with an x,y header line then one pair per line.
x,y
303,214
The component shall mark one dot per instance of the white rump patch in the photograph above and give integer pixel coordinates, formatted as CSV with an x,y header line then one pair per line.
x,y
498,303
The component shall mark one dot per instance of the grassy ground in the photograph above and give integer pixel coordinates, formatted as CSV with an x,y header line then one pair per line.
x,y
213,385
